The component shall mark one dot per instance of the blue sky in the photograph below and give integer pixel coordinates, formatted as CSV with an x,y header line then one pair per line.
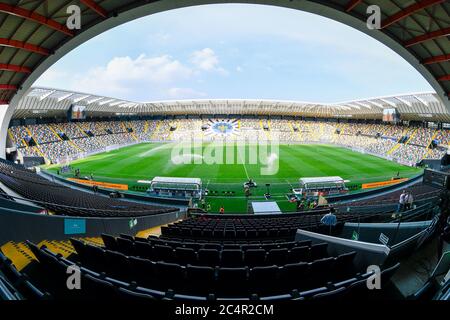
x,y
235,51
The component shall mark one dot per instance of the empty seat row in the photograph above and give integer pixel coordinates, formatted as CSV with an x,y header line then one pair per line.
x,y
239,233
201,283
166,275
212,257
124,244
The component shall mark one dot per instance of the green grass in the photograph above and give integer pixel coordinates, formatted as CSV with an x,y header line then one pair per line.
x,y
147,160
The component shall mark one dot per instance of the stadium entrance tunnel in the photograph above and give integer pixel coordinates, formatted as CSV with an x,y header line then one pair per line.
x,y
421,43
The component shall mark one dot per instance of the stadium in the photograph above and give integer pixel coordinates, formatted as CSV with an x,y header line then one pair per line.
x,y
213,200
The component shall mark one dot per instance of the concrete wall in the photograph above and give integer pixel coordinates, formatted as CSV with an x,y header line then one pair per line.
x,y
18,225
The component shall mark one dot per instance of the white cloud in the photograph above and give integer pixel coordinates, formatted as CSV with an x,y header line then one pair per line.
x,y
239,69
124,74
52,77
207,60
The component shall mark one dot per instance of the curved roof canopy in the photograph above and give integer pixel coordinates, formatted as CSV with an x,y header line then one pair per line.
x,y
33,34
48,102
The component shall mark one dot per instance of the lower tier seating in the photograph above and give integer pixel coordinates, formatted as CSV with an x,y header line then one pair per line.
x,y
168,281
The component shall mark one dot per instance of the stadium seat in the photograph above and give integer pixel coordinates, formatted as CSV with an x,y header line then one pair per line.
x,y
130,295
294,275
143,272
169,275
232,281
264,280
143,250
343,265
117,264
231,258
255,257
298,254
208,257
318,251
185,256
110,242
163,253
277,257
125,245
200,280
320,271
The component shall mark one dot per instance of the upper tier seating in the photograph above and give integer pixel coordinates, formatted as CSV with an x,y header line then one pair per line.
x,y
67,201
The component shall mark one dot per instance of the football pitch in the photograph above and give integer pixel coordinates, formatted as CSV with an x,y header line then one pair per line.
x,y
224,168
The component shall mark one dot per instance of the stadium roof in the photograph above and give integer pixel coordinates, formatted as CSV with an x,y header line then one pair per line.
x,y
34,35
48,102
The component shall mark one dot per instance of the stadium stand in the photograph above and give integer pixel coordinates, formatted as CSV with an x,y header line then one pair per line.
x,y
87,137
67,201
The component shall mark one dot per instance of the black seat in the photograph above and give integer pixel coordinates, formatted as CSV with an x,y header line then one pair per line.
x,y
193,245
232,258
125,294
294,275
232,281
143,272
240,233
169,275
298,254
110,242
318,251
208,257
277,257
94,258
343,265
126,246
163,253
321,271
331,295
255,257
252,233
117,265
143,250
264,280
93,288
201,280
185,256
230,234
215,246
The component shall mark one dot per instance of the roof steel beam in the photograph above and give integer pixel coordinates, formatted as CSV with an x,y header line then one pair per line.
x,y
95,7
402,14
14,68
352,4
437,59
428,36
8,87
35,17
24,46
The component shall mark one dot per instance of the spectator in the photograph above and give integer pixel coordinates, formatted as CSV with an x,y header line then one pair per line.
x,y
409,200
401,202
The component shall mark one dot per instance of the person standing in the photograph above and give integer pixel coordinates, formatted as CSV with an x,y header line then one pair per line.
x,y
222,210
409,200
401,201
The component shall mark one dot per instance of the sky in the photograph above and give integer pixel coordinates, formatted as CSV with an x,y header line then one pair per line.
x,y
234,51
